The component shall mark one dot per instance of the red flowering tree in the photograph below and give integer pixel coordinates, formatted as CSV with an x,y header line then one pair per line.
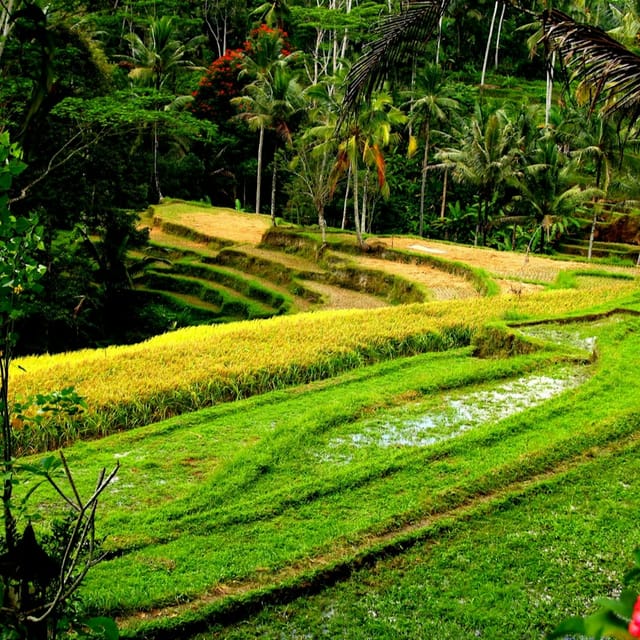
x,y
228,75
216,88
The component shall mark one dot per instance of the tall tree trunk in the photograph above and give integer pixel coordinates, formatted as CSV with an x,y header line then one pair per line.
x,y
345,36
439,40
443,202
500,22
549,90
259,172
323,224
274,175
592,233
411,100
363,211
485,222
423,183
356,204
316,55
346,200
488,47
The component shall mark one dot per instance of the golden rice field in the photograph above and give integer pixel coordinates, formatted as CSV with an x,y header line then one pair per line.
x,y
127,386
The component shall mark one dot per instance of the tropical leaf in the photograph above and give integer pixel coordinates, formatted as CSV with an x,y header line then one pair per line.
x,y
603,67
395,41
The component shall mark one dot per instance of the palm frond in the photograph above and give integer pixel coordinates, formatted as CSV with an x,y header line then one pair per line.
x,y
609,70
395,41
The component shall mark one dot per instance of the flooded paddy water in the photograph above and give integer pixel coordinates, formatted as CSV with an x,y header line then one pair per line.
x,y
447,415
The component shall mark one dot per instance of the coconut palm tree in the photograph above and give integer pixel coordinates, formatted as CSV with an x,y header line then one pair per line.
x,y
435,106
363,140
270,102
487,157
549,192
157,58
156,61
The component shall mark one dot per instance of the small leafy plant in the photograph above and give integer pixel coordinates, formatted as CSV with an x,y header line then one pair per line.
x,y
615,617
38,580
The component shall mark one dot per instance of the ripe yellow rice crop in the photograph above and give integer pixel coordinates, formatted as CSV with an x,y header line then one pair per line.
x,y
127,386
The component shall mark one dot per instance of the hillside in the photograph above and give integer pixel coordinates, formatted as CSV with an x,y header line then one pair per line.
x,y
346,465
291,266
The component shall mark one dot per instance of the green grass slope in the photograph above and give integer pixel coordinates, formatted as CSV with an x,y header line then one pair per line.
x,y
216,513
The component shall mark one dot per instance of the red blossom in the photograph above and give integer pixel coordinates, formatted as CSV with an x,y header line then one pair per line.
x,y
634,625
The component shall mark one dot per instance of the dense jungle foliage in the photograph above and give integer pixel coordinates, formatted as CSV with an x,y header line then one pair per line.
x,y
116,105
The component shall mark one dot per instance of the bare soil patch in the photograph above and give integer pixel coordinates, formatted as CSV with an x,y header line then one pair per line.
x,y
339,298
443,286
214,221
230,225
502,264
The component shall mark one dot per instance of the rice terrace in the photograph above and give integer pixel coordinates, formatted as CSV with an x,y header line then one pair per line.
x,y
427,440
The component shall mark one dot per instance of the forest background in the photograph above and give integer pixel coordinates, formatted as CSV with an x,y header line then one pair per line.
x,y
117,105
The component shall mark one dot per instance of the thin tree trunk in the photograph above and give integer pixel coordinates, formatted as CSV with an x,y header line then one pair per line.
x,y
345,36
488,47
274,176
334,41
316,55
423,183
323,224
346,199
411,100
592,233
259,173
443,203
363,211
439,40
495,60
549,92
356,204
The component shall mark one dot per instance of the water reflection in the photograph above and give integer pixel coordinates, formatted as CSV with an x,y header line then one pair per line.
x,y
460,413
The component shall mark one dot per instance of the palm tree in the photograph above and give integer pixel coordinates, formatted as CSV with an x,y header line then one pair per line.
x,y
254,107
435,106
605,69
156,60
610,70
286,103
548,189
270,102
397,38
159,56
599,146
364,138
487,158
